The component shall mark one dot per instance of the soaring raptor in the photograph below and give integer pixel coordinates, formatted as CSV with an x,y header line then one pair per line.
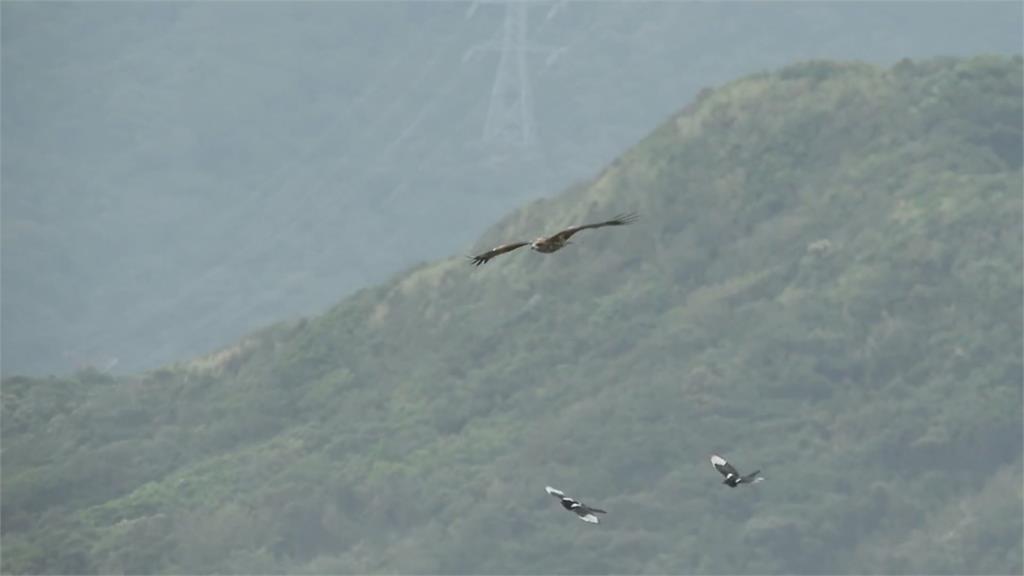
x,y
586,513
732,477
553,243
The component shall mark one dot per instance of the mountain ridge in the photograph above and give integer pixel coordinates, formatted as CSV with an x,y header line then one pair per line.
x,y
177,176
819,286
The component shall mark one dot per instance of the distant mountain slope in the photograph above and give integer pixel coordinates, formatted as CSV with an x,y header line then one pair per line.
x,y
176,175
826,284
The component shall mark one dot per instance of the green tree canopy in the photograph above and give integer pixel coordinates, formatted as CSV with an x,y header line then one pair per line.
x,y
826,284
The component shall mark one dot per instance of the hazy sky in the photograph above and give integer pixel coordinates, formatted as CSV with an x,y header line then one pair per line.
x,y
176,174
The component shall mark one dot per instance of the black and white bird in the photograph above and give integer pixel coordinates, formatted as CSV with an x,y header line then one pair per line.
x,y
553,243
586,513
732,476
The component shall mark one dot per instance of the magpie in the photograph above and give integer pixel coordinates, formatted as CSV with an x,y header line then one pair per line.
x,y
732,477
586,513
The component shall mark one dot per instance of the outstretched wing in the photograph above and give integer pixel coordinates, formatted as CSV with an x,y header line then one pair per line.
x,y
554,492
485,256
586,513
620,220
723,467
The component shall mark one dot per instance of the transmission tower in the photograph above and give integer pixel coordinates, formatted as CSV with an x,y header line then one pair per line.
x,y
509,121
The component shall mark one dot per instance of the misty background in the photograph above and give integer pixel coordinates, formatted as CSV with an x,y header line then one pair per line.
x,y
176,174
234,240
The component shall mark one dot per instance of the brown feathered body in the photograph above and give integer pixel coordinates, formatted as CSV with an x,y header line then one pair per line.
x,y
548,244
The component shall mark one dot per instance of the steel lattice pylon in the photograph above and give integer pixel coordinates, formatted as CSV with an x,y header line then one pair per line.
x,y
510,121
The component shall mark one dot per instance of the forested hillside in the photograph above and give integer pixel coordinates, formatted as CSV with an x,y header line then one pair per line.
x,y
825,283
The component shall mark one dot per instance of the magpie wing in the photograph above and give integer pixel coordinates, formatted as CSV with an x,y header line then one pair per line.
x,y
554,492
586,514
723,467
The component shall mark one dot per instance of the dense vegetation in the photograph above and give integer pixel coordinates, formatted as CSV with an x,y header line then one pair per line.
x,y
177,175
826,284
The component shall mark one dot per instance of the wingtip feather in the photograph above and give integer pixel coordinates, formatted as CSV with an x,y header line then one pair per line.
x,y
627,218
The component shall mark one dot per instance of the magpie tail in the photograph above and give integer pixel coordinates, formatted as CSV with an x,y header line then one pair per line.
x,y
753,477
